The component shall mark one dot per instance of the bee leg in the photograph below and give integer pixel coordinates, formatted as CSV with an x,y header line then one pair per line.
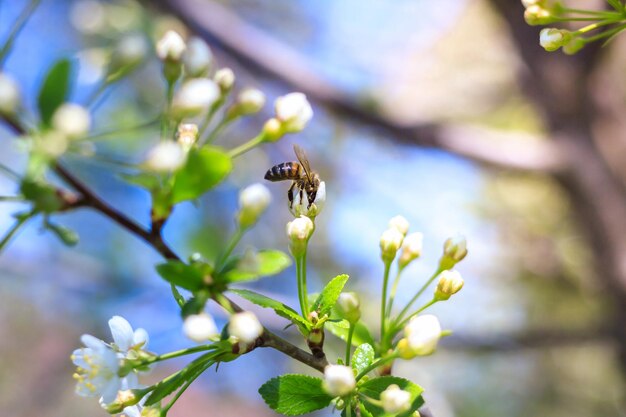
x,y
290,194
311,196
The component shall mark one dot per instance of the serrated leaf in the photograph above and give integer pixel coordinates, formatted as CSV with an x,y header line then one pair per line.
x,y
205,168
373,388
363,357
280,308
340,329
329,295
54,90
191,277
254,265
294,395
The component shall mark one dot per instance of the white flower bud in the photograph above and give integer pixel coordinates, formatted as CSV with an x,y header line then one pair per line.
x,y
171,47
88,16
187,135
537,15
455,249
450,282
250,101
349,306
130,51
253,200
299,231
422,334
293,111
272,130
339,380
552,39
200,327
390,242
245,327
194,97
400,224
71,120
300,204
224,78
395,400
197,58
166,156
9,95
411,248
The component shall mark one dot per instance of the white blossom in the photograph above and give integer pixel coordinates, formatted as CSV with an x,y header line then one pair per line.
x,y
395,400
171,46
9,94
245,327
200,327
194,97
124,337
399,223
97,367
339,380
294,111
71,120
253,200
166,156
197,58
300,204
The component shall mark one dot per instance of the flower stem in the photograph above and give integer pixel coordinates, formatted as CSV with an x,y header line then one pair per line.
x,y
394,289
182,352
419,310
349,343
252,143
383,304
420,292
301,279
16,226
234,240
376,364
20,22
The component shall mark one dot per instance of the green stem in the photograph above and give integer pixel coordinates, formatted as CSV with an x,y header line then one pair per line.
x,y
606,34
591,12
252,143
186,385
304,289
376,364
394,289
20,22
209,116
419,310
219,128
349,343
11,198
93,97
180,300
420,292
10,173
16,226
123,129
383,305
182,352
165,120
301,280
234,240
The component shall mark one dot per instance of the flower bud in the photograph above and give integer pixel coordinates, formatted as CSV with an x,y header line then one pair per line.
x,y
71,120
129,52
171,47
552,39
454,250
187,135
411,248
422,334
9,95
293,111
197,58
339,380
575,44
537,15
395,400
253,200
124,398
250,101
88,16
299,231
390,242
166,156
194,97
300,204
200,327
245,327
349,306
272,130
400,224
450,282
224,78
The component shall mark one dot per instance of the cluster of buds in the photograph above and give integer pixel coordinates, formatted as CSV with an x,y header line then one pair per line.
x,y
421,336
392,239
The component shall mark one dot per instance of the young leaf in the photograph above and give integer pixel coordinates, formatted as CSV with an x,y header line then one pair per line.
x,y
294,395
363,357
67,236
329,295
191,277
373,387
280,308
144,180
255,265
204,169
54,90
340,329
43,196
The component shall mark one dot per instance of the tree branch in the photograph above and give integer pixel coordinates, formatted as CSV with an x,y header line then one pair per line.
x,y
259,50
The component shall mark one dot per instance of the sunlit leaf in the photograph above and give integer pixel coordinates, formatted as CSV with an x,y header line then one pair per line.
x,y
55,89
205,168
294,395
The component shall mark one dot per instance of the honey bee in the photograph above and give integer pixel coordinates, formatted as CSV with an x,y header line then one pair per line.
x,y
304,179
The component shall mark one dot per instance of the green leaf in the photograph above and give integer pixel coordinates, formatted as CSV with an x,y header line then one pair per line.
x,y
340,329
363,357
280,308
294,395
254,265
373,387
43,196
144,180
205,168
191,277
67,236
329,295
54,90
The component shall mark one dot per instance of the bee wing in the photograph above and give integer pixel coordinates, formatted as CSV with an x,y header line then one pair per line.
x,y
304,161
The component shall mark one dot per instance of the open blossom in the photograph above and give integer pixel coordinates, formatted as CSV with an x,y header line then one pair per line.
x,y
171,46
124,337
339,380
395,400
293,111
245,326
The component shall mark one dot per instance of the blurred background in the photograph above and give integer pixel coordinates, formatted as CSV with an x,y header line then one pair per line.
x,y
447,112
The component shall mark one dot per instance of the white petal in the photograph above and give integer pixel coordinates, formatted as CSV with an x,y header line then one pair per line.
x,y
130,381
141,338
122,332
132,411
109,391
78,357
92,342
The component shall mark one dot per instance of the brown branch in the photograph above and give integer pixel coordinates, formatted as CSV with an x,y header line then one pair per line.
x,y
259,50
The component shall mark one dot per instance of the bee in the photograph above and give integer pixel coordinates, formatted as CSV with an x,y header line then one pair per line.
x,y
304,179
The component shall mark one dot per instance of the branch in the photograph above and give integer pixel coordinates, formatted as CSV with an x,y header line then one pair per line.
x,y
259,50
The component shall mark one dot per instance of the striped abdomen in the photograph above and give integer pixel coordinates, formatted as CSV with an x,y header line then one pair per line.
x,y
285,171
